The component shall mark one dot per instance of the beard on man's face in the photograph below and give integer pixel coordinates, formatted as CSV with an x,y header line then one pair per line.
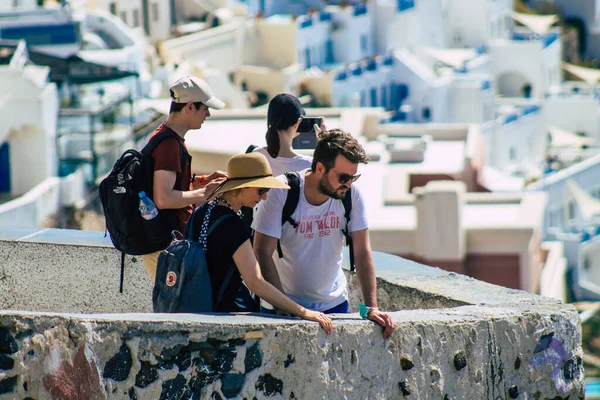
x,y
328,190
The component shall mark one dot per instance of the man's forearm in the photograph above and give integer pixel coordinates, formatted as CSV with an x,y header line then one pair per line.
x,y
176,199
269,271
365,272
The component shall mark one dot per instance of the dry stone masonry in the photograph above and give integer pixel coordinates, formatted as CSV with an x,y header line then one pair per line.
x,y
457,338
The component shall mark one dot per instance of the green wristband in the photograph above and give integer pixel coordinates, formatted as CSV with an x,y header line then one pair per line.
x,y
363,310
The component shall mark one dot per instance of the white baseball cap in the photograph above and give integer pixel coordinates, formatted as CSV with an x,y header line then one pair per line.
x,y
195,90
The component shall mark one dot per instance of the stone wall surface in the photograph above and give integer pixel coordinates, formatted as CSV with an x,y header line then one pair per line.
x,y
457,338
62,270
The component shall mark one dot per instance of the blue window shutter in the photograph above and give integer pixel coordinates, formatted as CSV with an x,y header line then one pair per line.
x,y
329,46
402,92
373,97
384,99
4,168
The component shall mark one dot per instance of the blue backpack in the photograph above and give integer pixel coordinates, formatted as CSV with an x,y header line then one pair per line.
x,y
182,278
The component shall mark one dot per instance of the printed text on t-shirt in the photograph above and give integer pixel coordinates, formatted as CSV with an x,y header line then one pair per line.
x,y
313,226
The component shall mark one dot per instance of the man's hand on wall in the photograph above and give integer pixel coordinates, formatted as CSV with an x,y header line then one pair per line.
x,y
383,319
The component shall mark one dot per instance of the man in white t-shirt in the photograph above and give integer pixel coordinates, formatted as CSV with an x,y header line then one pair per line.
x,y
310,271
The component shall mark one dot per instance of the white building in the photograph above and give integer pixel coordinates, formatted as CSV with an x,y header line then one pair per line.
x,y
18,5
517,139
368,84
527,64
573,217
95,36
562,213
471,23
575,107
154,18
29,111
407,24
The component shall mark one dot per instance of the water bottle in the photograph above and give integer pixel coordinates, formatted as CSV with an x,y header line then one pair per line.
x,y
147,207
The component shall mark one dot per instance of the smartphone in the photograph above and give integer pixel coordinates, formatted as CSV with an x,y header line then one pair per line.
x,y
307,138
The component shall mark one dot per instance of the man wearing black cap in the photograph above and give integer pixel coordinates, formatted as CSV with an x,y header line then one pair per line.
x,y
174,189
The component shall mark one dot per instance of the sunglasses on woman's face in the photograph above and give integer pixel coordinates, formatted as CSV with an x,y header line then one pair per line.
x,y
345,178
262,191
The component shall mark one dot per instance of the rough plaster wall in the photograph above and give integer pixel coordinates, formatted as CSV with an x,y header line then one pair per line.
x,y
464,353
457,338
61,278
84,279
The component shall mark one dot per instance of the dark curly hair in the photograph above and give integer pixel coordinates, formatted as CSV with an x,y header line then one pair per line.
x,y
334,142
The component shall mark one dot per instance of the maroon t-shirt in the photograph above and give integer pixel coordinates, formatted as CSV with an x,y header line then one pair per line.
x,y
167,158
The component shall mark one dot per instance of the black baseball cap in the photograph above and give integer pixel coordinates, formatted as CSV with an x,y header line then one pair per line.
x,y
286,108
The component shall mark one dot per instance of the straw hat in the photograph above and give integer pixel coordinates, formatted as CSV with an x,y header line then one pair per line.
x,y
250,170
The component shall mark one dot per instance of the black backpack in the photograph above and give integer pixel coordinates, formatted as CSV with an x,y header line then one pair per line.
x,y
182,278
129,231
291,202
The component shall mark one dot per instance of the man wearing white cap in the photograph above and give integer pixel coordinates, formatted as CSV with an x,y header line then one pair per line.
x,y
175,191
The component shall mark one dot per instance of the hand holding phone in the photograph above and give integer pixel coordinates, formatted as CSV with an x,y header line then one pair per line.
x,y
307,137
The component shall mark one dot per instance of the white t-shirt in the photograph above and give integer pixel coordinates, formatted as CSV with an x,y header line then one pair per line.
x,y
311,268
281,165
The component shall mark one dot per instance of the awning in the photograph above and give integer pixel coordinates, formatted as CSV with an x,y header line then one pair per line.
x,y
540,24
588,205
565,138
452,57
71,68
589,75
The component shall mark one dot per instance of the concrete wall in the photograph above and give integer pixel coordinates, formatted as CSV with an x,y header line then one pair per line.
x,y
44,200
456,337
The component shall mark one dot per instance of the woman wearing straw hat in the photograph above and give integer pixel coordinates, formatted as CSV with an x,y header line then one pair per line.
x,y
228,245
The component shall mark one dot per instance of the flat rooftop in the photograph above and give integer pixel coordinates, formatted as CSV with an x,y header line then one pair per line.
x,y
229,132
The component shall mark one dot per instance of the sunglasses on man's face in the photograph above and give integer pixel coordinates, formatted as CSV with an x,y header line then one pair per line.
x,y
262,191
345,178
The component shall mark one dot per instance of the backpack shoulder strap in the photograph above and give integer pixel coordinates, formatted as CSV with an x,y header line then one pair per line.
x,y
251,148
292,199
347,202
231,268
189,227
156,140
291,202
222,218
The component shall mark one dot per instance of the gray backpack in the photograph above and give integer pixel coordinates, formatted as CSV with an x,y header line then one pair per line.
x,y
182,278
